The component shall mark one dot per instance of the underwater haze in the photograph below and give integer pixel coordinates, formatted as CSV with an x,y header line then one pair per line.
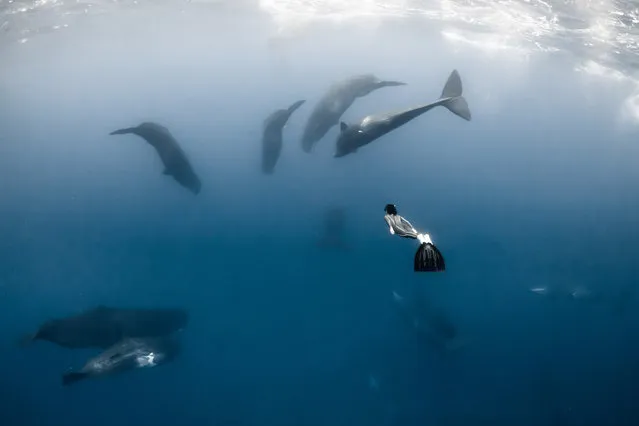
x,y
533,203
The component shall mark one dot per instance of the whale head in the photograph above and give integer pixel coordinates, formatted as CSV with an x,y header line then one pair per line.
x,y
348,140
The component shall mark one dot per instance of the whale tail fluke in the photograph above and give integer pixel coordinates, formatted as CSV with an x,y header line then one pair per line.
x,y
123,131
390,83
332,243
73,377
428,258
25,340
267,169
452,97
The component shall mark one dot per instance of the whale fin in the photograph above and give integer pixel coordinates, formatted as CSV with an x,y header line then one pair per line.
x,y
123,131
295,106
25,340
428,258
343,126
390,83
73,377
452,97
332,243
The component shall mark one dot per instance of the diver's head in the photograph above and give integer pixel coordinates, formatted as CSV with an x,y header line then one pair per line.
x,y
390,209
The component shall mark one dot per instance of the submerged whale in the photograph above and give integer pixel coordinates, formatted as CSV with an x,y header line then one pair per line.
x,y
272,136
102,327
333,236
432,325
176,163
354,136
127,355
339,97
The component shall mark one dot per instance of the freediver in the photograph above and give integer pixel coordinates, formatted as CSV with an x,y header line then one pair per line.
x,y
428,258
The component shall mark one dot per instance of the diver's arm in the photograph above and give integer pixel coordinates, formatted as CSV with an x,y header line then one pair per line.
x,y
389,222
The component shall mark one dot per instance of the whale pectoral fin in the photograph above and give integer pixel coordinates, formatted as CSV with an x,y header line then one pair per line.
x,y
397,298
343,126
73,377
295,106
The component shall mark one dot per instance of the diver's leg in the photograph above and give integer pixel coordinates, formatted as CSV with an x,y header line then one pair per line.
x,y
428,258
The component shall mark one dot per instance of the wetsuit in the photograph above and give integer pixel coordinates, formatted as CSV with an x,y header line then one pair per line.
x,y
399,226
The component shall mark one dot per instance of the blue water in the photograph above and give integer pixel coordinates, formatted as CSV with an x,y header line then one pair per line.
x,y
538,190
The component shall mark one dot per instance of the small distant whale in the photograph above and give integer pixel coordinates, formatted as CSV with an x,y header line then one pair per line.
x,y
567,292
620,300
272,136
430,324
175,161
333,236
102,327
339,97
126,355
352,137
